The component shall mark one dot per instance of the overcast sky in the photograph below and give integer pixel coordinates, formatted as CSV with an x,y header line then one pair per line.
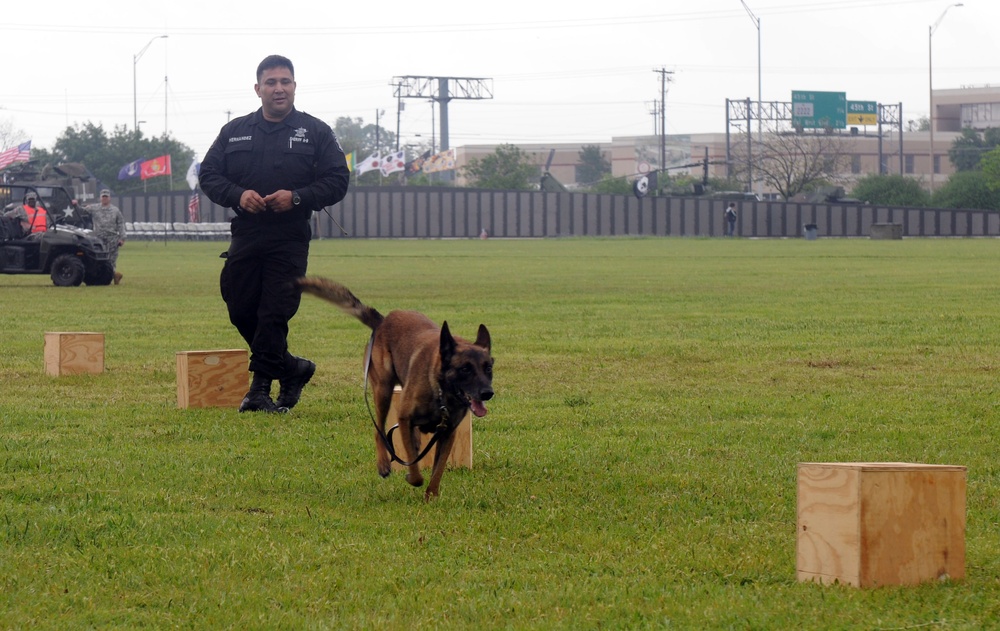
x,y
562,71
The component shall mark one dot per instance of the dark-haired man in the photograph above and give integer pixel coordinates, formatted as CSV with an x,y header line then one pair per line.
x,y
38,217
273,167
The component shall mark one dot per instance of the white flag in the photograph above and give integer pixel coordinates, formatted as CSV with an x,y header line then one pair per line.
x,y
394,162
192,174
371,163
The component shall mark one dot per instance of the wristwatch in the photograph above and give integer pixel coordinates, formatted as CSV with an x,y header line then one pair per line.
x,y
296,200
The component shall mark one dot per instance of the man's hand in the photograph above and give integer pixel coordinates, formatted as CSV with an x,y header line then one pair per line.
x,y
279,201
252,202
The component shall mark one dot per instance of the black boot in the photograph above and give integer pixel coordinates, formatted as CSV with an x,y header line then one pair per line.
x,y
291,386
258,399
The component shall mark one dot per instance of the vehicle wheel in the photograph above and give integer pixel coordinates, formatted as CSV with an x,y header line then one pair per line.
x,y
99,274
67,271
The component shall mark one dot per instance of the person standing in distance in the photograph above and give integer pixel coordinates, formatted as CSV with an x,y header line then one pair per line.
x,y
273,167
731,219
109,227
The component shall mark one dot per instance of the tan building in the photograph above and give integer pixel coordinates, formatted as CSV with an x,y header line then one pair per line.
x,y
631,156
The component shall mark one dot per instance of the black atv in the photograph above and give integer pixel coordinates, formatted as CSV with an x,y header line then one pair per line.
x,y
68,254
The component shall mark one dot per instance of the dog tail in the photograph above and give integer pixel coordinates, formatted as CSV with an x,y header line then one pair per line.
x,y
342,297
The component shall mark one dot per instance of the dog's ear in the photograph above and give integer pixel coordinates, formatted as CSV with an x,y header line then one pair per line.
x,y
483,338
447,345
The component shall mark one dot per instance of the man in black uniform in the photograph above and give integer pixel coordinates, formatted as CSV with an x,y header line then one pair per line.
x,y
273,167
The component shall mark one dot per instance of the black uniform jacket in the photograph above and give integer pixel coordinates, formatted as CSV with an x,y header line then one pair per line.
x,y
300,153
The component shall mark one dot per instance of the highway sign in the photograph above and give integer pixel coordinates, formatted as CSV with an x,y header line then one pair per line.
x,y
819,110
862,113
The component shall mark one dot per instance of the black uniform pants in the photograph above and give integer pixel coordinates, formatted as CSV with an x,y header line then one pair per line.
x,y
256,284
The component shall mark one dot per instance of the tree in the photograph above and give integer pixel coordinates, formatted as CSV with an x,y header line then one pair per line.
x,y
11,136
791,162
364,140
990,166
105,155
967,189
967,150
891,190
921,124
611,184
507,168
593,166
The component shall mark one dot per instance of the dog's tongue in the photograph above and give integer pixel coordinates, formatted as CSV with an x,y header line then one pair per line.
x,y
477,407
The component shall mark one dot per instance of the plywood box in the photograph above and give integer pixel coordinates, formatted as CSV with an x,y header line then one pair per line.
x,y
212,378
461,451
880,523
73,353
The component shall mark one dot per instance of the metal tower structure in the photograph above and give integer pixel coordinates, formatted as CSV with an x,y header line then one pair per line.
x,y
741,113
442,90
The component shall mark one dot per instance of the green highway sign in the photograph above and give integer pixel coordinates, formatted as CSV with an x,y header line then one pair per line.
x,y
819,110
862,113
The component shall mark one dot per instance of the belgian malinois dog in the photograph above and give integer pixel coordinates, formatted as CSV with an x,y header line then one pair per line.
x,y
442,377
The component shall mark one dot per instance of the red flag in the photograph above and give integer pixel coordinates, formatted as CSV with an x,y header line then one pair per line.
x,y
156,167
194,206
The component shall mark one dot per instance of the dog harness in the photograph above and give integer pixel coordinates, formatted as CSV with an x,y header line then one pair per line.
x,y
443,427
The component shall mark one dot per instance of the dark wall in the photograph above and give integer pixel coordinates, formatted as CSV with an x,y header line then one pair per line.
x,y
464,213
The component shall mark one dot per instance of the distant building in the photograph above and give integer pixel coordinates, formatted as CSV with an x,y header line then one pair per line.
x,y
630,156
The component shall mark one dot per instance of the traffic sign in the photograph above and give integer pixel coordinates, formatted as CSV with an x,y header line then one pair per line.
x,y
862,113
822,110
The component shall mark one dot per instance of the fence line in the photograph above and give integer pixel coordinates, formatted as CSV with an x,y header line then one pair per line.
x,y
435,213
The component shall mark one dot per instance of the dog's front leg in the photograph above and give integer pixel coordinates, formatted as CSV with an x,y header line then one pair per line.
x,y
411,441
441,454
383,461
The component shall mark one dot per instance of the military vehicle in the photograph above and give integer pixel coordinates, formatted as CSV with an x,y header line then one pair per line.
x,y
67,251
59,189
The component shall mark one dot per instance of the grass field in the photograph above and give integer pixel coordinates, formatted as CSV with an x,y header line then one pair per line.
x,y
636,469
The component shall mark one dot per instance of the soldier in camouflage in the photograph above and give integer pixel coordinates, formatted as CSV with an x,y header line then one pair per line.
x,y
109,227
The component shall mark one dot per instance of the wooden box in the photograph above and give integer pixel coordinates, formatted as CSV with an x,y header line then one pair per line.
x,y
212,378
74,353
461,451
880,523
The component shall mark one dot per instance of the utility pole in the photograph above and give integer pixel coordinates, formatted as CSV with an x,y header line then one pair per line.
x,y
399,110
665,78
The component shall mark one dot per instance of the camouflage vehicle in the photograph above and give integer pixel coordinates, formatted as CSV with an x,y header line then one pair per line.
x,y
67,251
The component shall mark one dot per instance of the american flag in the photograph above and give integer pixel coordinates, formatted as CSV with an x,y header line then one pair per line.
x,y
20,153
194,206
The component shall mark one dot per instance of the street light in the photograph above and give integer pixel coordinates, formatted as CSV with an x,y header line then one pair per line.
x,y
135,100
760,123
756,23
930,81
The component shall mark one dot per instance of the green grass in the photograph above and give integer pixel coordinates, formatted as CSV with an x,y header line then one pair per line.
x,y
636,468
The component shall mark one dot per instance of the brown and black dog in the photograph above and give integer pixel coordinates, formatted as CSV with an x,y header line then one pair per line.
x,y
442,376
